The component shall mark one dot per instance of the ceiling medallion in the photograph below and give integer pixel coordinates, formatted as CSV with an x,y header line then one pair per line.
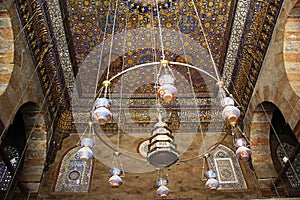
x,y
146,6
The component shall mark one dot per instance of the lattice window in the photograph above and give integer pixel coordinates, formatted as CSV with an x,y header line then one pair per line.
x,y
74,174
292,174
229,173
5,175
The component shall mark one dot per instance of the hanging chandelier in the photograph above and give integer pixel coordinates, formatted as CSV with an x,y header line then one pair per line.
x,y
162,150
241,143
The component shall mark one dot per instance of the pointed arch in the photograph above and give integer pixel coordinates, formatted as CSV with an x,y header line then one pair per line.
x,y
285,151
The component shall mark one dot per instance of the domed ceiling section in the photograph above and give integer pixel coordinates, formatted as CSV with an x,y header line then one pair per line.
x,y
116,35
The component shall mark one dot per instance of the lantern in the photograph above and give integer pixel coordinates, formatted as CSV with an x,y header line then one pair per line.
x,y
162,191
85,153
115,180
102,113
212,183
87,142
243,153
230,112
240,142
167,91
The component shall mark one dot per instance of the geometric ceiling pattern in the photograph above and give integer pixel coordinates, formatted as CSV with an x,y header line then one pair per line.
x,y
81,43
130,32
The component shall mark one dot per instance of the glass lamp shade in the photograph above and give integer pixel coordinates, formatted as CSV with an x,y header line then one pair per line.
x,y
163,191
167,92
166,79
212,184
210,174
162,181
85,153
102,102
102,115
115,181
243,153
240,142
115,171
87,142
227,101
231,114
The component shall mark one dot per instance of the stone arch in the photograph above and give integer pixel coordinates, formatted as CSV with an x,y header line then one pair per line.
x,y
291,48
36,149
6,48
261,129
285,151
260,143
276,89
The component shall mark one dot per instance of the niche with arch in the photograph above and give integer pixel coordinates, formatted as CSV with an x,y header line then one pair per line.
x,y
285,150
12,148
229,173
74,174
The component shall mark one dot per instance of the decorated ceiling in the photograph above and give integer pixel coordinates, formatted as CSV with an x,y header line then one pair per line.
x,y
108,37
122,34
77,44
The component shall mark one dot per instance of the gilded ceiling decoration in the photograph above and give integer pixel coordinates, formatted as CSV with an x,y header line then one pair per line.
x,y
90,23
256,37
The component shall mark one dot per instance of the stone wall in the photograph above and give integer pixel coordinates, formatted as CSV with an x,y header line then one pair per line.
x,y
36,149
273,84
186,177
21,82
6,48
23,85
292,48
276,86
